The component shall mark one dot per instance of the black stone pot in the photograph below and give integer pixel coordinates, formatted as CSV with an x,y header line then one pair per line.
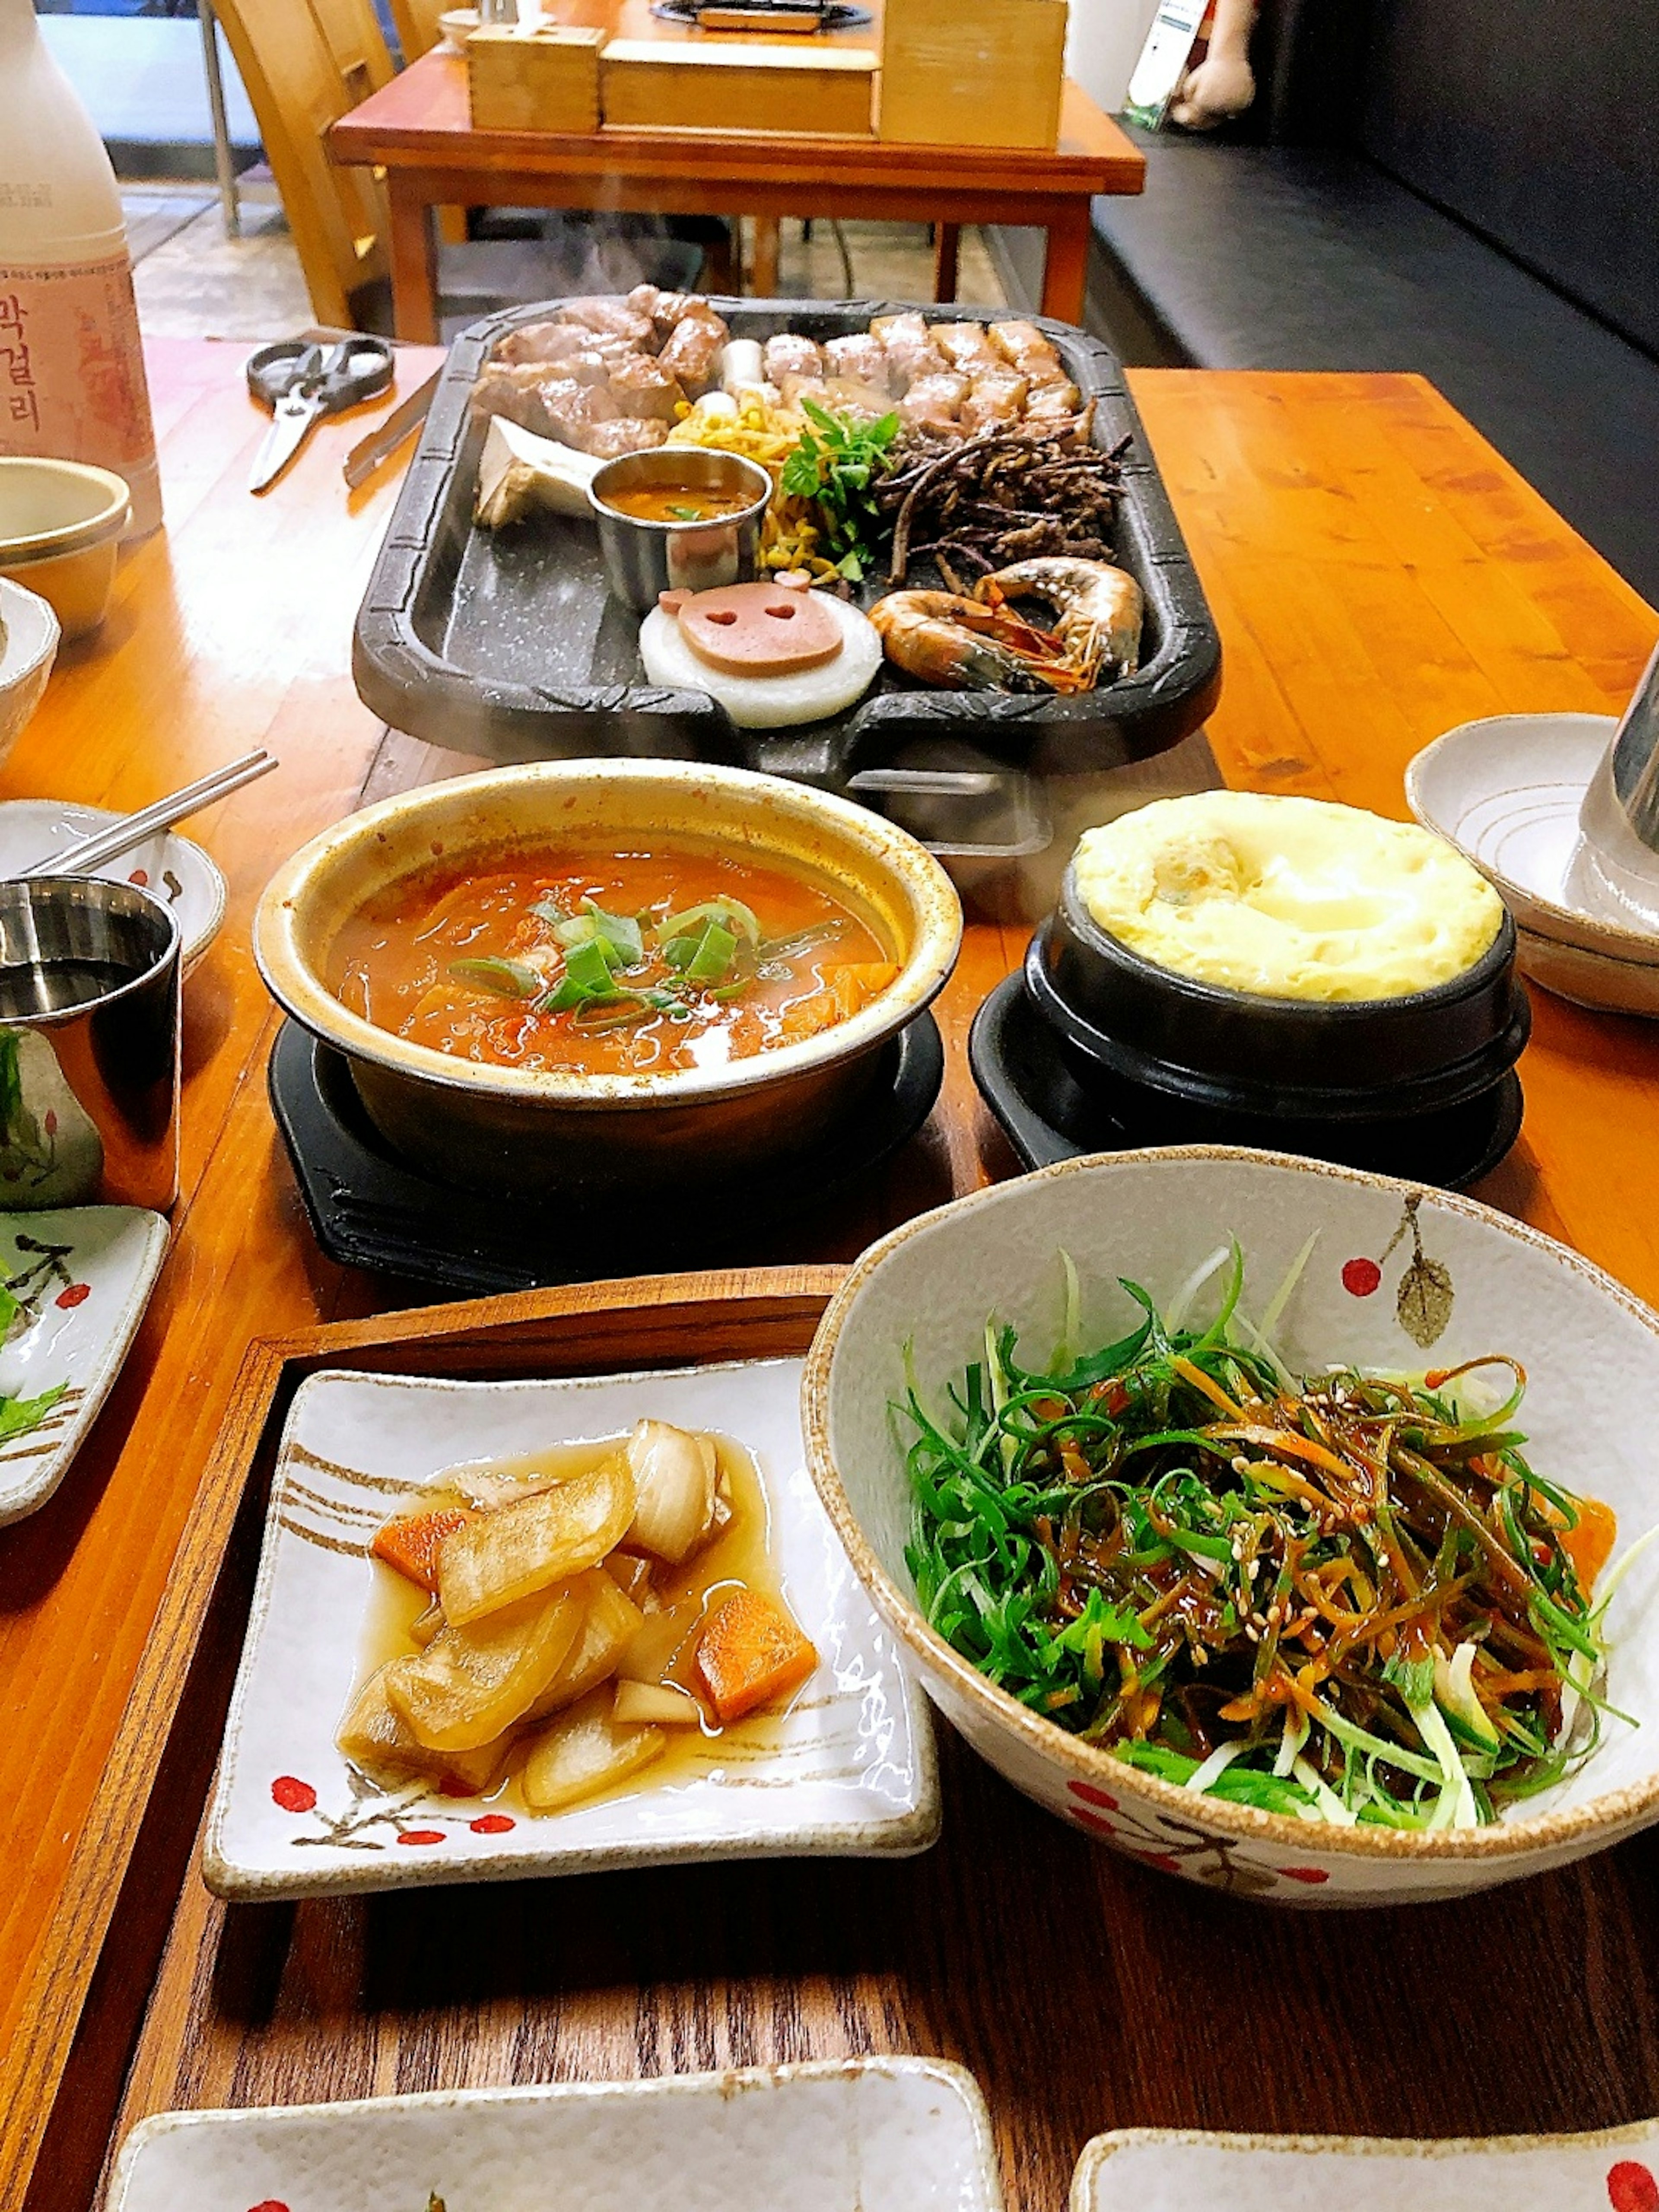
x,y
1186,1062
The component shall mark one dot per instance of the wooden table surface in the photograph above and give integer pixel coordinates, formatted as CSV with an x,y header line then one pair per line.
x,y
418,129
1379,574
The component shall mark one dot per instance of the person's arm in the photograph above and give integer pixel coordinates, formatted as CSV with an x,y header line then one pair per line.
x,y
1223,83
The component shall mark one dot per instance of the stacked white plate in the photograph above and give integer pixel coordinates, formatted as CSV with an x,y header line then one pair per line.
x,y
1507,792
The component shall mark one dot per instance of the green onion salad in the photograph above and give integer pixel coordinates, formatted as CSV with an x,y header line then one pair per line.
x,y
1344,1597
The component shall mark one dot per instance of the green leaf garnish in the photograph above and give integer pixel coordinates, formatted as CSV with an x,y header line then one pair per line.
x,y
505,979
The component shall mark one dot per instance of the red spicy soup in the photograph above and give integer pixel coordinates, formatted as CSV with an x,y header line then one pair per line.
x,y
608,963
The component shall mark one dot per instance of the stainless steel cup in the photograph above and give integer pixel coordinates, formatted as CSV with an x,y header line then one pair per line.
x,y
89,978
645,559
1619,818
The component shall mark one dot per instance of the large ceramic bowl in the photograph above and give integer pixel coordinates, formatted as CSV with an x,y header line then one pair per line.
x,y
502,1128
1590,1349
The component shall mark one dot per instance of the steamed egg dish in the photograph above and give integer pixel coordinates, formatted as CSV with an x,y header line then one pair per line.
x,y
1286,898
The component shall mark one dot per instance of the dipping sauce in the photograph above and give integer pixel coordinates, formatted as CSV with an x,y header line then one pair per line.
x,y
677,503
1287,898
608,963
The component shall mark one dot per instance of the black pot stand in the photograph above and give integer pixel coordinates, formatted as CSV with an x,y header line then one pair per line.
x,y
370,1208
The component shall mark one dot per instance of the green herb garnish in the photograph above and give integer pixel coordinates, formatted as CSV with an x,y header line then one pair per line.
x,y
505,979
837,463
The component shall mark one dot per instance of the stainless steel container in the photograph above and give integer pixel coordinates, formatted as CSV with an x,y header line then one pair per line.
x,y
554,1130
89,975
1619,818
644,559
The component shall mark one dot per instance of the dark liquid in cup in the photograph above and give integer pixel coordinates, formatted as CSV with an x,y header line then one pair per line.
x,y
56,987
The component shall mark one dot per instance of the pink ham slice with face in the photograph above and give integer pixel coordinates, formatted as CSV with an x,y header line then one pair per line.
x,y
756,630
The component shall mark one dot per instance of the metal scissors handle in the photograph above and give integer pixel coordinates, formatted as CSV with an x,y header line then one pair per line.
x,y
299,382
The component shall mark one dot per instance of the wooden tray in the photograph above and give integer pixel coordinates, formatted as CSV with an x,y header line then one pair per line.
x,y
156,1784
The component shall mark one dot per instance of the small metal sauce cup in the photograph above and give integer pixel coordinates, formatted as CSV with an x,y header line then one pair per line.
x,y
644,559
89,981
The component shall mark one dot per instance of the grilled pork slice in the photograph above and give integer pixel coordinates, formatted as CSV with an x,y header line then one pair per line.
x,y
1024,346
614,319
514,390
789,355
934,402
863,357
540,342
965,346
908,345
647,389
694,346
1052,402
665,308
995,396
628,433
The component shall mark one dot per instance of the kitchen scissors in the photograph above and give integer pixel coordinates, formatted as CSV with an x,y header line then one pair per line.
x,y
299,381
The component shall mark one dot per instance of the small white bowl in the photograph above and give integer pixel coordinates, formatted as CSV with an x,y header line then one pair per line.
x,y
28,646
883,2135
1590,1349
60,530
458,25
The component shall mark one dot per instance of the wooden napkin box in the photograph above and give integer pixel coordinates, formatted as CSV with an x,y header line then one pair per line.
x,y
746,85
544,79
972,72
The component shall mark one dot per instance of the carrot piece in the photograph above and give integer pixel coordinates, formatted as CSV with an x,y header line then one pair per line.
x,y
411,1543
1589,1543
749,1653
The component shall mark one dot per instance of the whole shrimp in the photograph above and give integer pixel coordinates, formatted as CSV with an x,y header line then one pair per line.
x,y
962,645
1098,609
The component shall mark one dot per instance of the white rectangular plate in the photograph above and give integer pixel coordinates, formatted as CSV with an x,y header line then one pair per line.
x,y
1156,2170
853,2135
84,1275
853,1771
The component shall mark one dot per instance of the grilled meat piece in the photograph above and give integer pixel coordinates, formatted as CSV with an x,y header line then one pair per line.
x,y
646,389
908,345
1048,402
539,341
995,396
934,401
628,433
789,354
614,319
863,357
1024,346
965,346
694,346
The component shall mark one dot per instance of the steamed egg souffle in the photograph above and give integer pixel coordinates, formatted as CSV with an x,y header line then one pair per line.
x,y
1286,898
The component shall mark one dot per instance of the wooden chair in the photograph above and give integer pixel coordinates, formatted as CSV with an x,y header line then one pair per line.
x,y
296,89
357,44
416,24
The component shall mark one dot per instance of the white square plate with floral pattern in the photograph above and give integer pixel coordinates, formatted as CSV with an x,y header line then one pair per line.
x,y
848,1770
1160,2170
81,1278
848,2135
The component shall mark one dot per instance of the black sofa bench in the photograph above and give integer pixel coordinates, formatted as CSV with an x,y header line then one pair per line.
x,y
1454,187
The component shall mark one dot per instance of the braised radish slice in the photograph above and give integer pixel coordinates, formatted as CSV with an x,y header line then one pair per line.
x,y
675,1475
519,1549
376,1738
655,1705
611,1621
585,1750
470,1683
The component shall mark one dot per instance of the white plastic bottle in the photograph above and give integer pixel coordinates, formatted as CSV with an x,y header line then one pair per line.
x,y
71,368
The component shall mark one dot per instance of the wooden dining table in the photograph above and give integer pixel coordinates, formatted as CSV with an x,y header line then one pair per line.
x,y
1377,572
418,131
